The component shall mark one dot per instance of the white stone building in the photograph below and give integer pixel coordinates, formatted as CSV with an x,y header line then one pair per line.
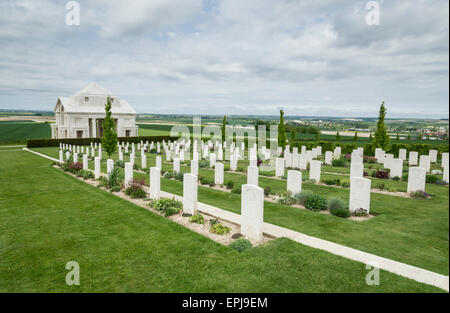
x,y
82,115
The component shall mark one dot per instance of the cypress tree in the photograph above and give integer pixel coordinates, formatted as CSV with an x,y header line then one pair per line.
x,y
381,139
224,123
109,139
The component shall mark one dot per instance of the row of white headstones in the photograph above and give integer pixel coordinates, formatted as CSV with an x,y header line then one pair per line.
x,y
252,205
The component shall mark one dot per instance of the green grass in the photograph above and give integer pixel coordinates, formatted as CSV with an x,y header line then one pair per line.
x,y
412,231
20,131
49,218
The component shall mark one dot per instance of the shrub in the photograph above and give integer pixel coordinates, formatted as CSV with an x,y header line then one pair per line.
x,y
169,174
240,245
432,179
135,191
167,206
340,212
345,183
381,174
392,189
339,162
419,194
236,189
396,178
75,167
203,164
196,218
335,203
205,181
316,202
267,191
219,229
179,176
285,198
405,177
229,184
114,180
119,163
86,174
302,196
380,186
330,182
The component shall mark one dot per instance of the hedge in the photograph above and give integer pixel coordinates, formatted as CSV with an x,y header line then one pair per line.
x,y
36,143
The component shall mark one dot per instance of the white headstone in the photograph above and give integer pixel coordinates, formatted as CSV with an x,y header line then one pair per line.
x,y
359,194
402,154
109,166
356,169
97,167
143,161
194,167
85,162
252,175
328,157
314,170
416,179
218,173
176,165
155,183
433,156
61,156
75,157
424,162
396,168
294,181
128,173
413,156
158,162
252,212
279,167
189,193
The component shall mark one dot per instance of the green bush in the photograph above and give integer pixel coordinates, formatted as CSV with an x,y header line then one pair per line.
x,y
240,245
285,198
340,212
197,218
135,191
236,189
316,202
120,163
86,174
167,206
419,194
267,191
380,186
335,203
432,179
339,162
203,164
345,183
302,196
219,229
229,184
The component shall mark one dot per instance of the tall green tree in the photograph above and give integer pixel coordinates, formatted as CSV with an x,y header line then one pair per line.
x,y
381,139
282,131
338,136
109,139
355,138
224,123
317,135
370,137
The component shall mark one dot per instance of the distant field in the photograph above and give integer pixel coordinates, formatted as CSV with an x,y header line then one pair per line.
x,y
11,131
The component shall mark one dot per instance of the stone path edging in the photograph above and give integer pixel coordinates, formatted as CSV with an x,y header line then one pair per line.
x,y
271,230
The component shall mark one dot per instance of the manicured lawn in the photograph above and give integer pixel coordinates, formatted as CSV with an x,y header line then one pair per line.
x,y
20,131
412,231
48,218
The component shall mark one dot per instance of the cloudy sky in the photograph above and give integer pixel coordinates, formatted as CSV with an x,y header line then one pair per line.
x,y
310,57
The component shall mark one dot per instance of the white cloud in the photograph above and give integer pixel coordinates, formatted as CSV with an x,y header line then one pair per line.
x,y
214,57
